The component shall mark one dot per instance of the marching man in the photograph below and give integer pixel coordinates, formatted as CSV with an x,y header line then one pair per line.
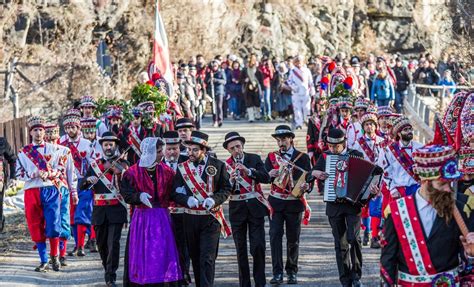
x,y
202,185
301,83
285,169
398,161
81,154
247,207
39,166
371,146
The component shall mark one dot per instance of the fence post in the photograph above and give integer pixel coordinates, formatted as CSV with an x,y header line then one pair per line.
x,y
441,101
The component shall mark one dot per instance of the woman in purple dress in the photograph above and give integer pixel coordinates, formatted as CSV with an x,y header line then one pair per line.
x,y
151,256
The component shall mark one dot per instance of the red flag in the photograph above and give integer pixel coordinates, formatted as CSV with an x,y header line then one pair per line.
x,y
161,57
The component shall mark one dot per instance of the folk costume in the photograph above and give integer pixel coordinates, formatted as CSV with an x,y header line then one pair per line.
x,y
287,209
421,248
206,182
247,210
151,256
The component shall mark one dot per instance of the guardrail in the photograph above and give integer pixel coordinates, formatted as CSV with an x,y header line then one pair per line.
x,y
422,113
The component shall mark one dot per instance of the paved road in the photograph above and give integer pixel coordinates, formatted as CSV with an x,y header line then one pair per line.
x,y
316,263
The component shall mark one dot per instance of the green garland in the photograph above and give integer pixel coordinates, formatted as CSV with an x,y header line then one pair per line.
x,y
103,103
144,92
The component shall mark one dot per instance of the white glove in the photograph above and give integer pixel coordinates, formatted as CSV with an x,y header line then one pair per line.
x,y
208,203
144,198
192,202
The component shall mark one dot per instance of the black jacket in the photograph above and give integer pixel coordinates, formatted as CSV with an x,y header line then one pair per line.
x,y
280,205
403,78
259,175
7,156
221,184
337,208
443,244
107,213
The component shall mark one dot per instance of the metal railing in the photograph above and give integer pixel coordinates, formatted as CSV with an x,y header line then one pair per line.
x,y
423,110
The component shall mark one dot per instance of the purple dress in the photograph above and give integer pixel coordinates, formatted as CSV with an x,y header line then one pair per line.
x,y
152,256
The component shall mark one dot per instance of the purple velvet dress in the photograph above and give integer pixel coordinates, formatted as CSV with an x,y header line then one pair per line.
x,y
152,256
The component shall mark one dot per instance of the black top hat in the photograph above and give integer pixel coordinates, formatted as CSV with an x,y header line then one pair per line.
x,y
184,123
232,136
283,131
171,137
198,138
335,136
109,137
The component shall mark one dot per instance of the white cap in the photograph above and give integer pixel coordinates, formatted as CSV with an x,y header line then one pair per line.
x,y
148,149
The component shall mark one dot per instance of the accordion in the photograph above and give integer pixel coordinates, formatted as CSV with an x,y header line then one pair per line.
x,y
350,178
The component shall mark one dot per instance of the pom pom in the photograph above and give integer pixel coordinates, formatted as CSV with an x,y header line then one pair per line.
x,y
324,83
150,83
155,76
348,83
331,67
324,86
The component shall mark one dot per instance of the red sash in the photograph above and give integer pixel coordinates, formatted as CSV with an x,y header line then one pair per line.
x,y
39,160
404,159
135,142
246,186
307,209
298,75
77,157
199,189
411,237
366,148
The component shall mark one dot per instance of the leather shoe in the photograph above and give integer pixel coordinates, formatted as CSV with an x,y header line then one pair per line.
x,y
277,279
73,252
43,267
93,246
55,263
111,284
62,261
357,283
292,279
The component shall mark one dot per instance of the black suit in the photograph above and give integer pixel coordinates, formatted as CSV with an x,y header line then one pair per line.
x,y
108,222
202,231
344,218
289,211
443,244
250,215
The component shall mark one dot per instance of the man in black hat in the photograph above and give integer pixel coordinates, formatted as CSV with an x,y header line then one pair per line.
x,y
172,158
202,185
247,207
344,217
184,127
285,167
109,213
7,157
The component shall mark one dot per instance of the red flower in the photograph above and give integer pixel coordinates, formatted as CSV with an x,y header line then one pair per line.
x,y
331,67
155,76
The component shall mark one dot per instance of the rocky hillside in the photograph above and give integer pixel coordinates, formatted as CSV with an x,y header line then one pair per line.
x,y
56,41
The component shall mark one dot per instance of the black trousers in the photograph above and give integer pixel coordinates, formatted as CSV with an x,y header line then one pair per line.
x,y
218,116
292,222
3,189
180,238
202,239
108,242
256,231
345,229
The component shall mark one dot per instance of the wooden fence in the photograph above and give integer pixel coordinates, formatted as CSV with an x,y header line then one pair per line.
x,y
16,133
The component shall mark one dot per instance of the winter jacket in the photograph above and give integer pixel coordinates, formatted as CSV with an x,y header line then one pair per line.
x,y
382,89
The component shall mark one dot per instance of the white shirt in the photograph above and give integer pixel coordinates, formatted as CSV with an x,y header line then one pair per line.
x,y
375,146
426,211
354,132
86,152
304,87
395,174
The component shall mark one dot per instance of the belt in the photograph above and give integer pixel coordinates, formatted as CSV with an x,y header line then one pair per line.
x,y
451,277
105,199
176,210
283,196
196,211
243,196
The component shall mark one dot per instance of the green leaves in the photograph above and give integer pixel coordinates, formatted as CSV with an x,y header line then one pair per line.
x,y
144,92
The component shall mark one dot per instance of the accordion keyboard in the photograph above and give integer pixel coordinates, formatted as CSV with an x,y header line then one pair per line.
x,y
329,194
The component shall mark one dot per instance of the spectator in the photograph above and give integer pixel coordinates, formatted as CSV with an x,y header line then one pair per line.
x,y
266,70
215,82
251,88
235,90
382,90
447,81
403,81
282,92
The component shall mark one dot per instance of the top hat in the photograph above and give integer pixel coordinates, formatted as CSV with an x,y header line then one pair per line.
x,y
109,136
184,123
283,131
171,137
232,136
335,136
198,138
